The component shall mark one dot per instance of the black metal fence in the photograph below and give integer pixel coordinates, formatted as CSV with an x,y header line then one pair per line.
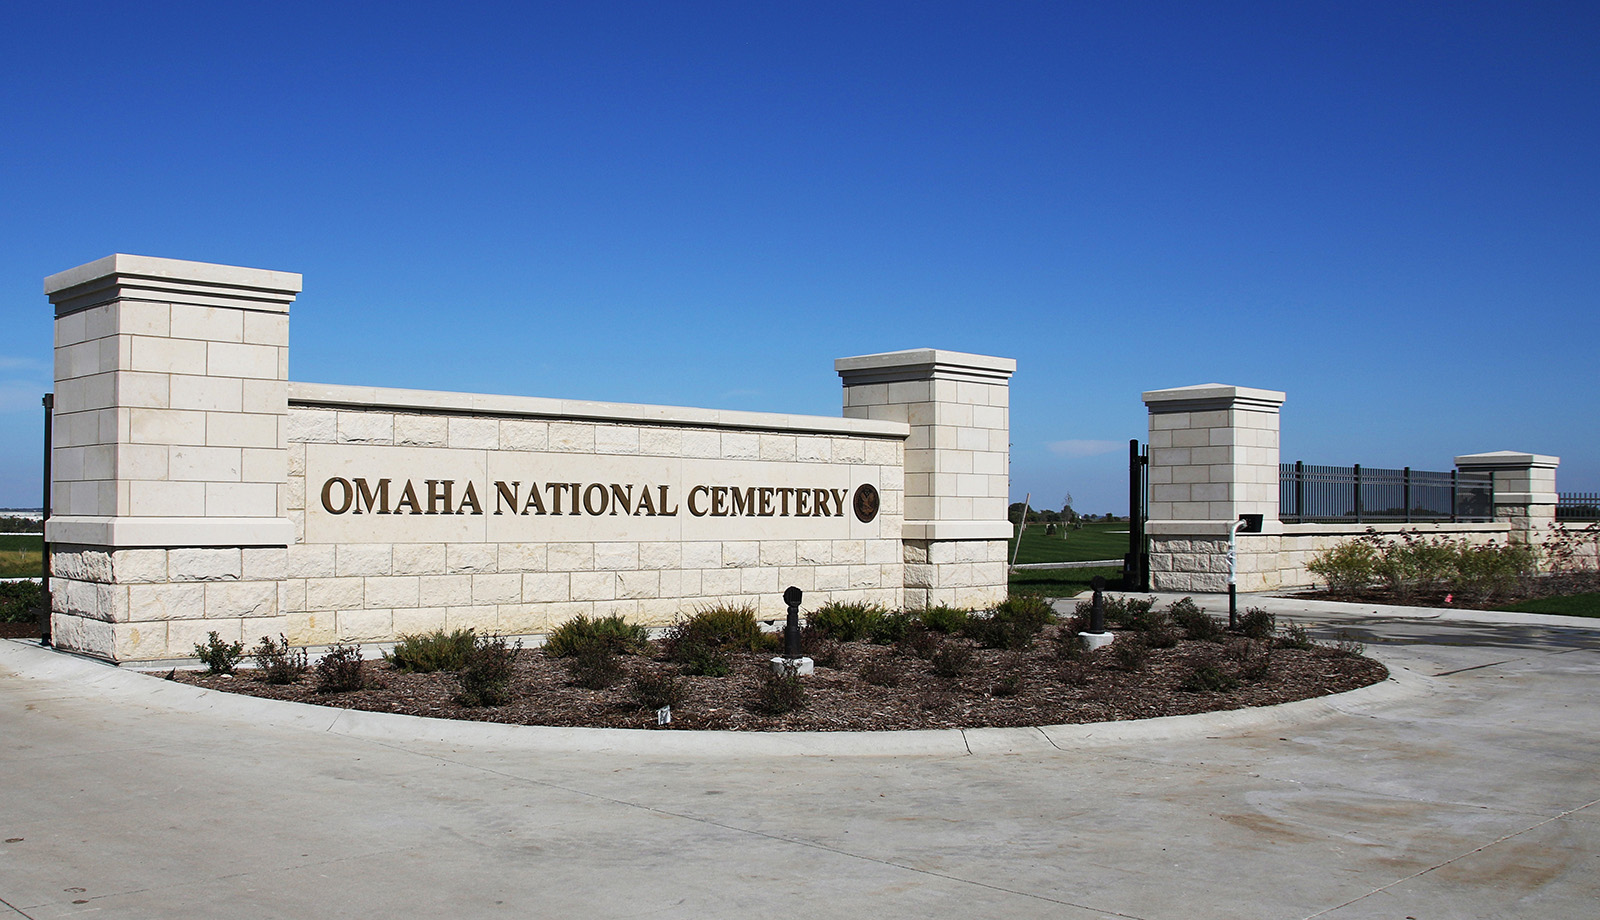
x,y
1360,494
1578,506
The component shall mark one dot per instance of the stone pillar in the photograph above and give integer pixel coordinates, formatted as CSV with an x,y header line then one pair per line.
x,y
957,465
170,459
1213,457
1524,489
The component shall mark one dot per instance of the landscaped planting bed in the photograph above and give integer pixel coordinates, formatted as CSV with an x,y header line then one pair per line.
x,y
1006,670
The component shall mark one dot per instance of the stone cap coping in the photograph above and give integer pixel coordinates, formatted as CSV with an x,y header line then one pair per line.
x,y
956,530
1507,460
127,277
1271,528
435,401
1207,396
170,531
924,364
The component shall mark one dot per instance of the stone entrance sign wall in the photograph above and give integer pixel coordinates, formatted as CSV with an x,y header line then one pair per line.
x,y
197,489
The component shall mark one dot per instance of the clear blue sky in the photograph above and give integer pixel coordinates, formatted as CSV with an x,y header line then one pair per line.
x,y
1388,210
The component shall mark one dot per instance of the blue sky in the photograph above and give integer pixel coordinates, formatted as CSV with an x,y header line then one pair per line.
x,y
1389,210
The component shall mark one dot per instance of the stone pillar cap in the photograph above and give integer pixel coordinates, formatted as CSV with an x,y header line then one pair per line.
x,y
1213,395
1507,460
922,364
128,277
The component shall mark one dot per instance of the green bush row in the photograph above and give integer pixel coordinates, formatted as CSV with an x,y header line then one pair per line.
x,y
1414,564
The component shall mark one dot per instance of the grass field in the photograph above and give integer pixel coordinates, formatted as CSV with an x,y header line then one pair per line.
x,y
1099,540
21,554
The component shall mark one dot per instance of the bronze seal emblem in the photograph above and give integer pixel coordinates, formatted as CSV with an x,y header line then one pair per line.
x,y
866,503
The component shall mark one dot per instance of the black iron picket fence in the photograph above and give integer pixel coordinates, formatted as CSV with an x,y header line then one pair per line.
x,y
1358,494
1578,506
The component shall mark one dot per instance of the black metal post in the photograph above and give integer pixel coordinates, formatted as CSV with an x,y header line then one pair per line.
x,y
1407,489
44,507
1130,564
1455,497
1233,606
791,630
1097,611
1358,493
1299,490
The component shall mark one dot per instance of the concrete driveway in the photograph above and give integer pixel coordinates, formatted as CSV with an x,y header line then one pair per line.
x,y
1465,787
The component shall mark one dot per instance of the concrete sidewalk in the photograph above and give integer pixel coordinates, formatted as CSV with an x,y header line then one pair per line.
x,y
1466,787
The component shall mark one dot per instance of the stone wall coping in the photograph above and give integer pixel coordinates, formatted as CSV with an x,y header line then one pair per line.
x,y
130,277
1507,460
1207,396
1421,527
124,532
435,401
922,364
956,530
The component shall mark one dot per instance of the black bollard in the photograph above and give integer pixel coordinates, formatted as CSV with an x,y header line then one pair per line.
x,y
791,630
1097,618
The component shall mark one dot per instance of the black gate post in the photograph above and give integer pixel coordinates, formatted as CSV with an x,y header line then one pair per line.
x,y
44,507
1136,565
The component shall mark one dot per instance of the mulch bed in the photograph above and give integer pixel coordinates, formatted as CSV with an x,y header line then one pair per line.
x,y
1038,686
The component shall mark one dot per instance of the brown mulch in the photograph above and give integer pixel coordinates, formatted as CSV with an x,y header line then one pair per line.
x,y
1039,686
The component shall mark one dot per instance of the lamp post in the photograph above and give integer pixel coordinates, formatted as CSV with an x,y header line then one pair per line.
x,y
1247,523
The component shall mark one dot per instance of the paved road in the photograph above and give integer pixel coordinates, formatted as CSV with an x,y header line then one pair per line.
x,y
1466,787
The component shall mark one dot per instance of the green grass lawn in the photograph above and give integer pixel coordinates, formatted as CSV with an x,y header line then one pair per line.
x,y
21,554
1061,582
1572,605
1099,540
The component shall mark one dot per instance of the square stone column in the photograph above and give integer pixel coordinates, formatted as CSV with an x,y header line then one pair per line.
x,y
1524,488
957,467
171,401
1213,457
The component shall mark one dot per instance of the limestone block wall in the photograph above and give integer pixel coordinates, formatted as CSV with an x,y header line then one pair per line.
x,y
521,574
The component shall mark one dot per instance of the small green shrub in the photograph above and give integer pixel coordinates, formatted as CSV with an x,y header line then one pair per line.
x,y
428,652
20,601
953,660
1194,621
944,619
1257,623
1013,624
779,692
1346,568
893,627
1131,652
1297,637
847,622
1011,680
717,627
1208,677
612,632
703,660
1120,611
485,678
594,667
341,670
825,653
1251,658
218,656
922,643
656,687
278,663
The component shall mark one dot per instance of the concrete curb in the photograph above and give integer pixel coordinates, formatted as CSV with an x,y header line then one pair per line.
x,y
63,675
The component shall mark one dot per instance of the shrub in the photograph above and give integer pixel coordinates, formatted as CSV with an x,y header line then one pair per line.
x,y
718,627
922,643
341,670
611,632
428,652
944,619
20,601
1257,623
1119,610
847,622
1252,659
1131,652
824,652
1346,568
1013,623
218,656
1011,680
893,627
703,660
485,678
953,660
780,691
1297,637
1194,621
655,688
594,667
1208,677
280,664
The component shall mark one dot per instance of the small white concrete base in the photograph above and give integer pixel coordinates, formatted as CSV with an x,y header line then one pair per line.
x,y
1092,641
800,666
